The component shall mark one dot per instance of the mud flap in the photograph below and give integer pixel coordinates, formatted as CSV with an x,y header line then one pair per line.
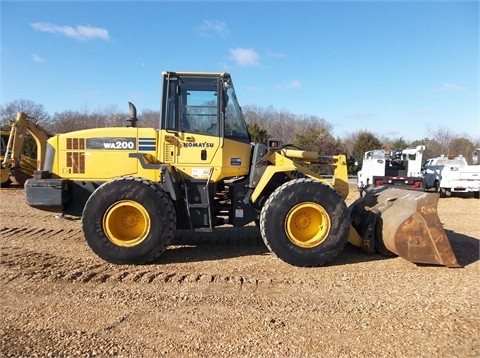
x,y
402,222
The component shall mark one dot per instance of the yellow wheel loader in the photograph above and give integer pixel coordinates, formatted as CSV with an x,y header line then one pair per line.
x,y
134,187
16,167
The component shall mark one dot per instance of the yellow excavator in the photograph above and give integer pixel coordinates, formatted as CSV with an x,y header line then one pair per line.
x,y
17,167
134,187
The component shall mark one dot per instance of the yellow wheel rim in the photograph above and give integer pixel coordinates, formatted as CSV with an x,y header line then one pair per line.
x,y
126,223
307,224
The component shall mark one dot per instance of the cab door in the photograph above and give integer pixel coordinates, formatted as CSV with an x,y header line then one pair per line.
x,y
191,123
200,139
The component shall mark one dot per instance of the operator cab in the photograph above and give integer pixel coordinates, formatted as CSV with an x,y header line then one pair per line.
x,y
202,103
202,127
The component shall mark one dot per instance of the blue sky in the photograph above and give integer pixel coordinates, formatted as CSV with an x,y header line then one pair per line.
x,y
398,69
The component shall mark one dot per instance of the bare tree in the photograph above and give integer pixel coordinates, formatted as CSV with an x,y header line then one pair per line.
x,y
149,119
443,136
68,121
35,111
283,124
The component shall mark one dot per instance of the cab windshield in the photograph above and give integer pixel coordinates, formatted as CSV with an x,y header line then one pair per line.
x,y
235,126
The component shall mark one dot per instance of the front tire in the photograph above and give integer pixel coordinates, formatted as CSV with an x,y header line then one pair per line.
x,y
445,192
305,223
129,220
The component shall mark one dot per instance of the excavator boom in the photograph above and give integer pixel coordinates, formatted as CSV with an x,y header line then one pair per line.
x,y
15,165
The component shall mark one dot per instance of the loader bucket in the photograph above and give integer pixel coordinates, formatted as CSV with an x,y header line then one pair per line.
x,y
402,222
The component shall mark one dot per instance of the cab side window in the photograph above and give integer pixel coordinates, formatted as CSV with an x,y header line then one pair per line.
x,y
199,111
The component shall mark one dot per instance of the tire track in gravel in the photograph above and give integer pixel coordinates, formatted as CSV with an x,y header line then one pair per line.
x,y
33,266
33,232
22,263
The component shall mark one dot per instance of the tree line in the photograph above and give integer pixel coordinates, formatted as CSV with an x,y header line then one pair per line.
x,y
307,132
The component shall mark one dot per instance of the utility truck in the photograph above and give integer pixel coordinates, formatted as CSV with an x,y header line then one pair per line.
x,y
450,174
135,186
400,168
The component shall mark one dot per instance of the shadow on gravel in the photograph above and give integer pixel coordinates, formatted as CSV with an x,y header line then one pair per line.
x,y
466,248
354,255
222,243
227,242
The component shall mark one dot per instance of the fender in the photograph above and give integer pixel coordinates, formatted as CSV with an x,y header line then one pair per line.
x,y
282,164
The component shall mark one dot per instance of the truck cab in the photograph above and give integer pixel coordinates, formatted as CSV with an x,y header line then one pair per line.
x,y
449,174
401,168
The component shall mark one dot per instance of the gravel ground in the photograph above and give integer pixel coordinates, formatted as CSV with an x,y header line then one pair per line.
x,y
224,294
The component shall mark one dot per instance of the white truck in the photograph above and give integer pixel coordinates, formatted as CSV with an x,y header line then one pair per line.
x,y
451,174
402,168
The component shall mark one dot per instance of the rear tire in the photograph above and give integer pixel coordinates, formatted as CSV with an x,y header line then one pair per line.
x,y
305,223
129,220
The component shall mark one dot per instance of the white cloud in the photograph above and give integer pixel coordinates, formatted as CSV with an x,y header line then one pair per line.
x,y
451,87
421,112
80,32
295,84
38,58
245,56
275,54
208,28
445,88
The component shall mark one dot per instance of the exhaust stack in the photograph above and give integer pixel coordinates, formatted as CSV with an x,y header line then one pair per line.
x,y
132,121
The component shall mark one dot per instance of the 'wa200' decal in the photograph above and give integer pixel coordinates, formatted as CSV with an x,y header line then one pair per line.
x,y
115,143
